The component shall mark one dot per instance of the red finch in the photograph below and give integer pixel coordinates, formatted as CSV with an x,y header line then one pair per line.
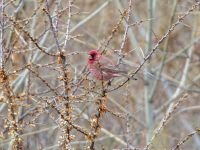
x,y
102,68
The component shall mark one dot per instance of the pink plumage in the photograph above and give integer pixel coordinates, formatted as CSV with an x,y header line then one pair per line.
x,y
101,67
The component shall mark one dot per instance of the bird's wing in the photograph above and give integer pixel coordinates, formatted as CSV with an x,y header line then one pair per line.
x,y
104,61
106,66
113,70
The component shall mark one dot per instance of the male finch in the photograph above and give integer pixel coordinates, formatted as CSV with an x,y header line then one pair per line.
x,y
102,68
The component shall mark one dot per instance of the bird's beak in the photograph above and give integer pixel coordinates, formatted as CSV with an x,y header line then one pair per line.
x,y
89,57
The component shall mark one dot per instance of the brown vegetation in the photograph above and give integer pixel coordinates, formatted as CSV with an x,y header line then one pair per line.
x,y
48,99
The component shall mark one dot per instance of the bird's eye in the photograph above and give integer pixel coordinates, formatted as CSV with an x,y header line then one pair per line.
x,y
91,56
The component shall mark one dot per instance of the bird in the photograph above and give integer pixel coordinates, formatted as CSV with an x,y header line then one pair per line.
x,y
102,68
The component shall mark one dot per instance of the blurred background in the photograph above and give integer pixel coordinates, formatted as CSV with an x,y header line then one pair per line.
x,y
49,100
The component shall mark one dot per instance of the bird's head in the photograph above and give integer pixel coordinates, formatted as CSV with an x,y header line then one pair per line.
x,y
93,55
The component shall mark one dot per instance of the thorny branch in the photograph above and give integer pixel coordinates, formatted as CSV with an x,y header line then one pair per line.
x,y
44,80
180,19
